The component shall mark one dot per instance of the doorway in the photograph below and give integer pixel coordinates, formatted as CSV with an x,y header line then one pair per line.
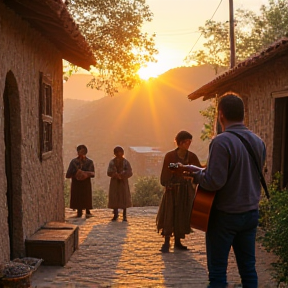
x,y
280,141
12,140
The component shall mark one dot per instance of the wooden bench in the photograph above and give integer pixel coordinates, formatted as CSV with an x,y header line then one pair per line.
x,y
55,242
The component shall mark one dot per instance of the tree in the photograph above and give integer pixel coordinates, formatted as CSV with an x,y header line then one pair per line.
x,y
113,30
272,24
216,48
252,34
209,113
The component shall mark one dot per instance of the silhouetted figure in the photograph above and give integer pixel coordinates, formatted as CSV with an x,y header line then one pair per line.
x,y
173,218
119,170
81,169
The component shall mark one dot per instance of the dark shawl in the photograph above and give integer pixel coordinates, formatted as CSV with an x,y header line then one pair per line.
x,y
81,191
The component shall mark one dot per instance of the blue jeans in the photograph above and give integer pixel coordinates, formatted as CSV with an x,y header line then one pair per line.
x,y
236,230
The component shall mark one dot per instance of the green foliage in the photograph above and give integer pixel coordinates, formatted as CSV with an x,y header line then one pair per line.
x,y
209,113
67,192
273,22
216,47
147,192
68,69
99,196
252,33
113,30
99,199
274,222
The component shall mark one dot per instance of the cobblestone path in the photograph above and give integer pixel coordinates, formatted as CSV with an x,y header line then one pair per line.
x,y
126,254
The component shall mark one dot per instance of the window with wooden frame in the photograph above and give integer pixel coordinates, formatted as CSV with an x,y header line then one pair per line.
x,y
45,117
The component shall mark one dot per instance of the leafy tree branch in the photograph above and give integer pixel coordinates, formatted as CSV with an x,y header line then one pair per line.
x,y
113,30
253,33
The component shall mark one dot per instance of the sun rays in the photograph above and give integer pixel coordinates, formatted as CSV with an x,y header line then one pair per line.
x,y
147,105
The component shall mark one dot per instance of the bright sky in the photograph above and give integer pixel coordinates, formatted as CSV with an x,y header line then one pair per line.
x,y
176,23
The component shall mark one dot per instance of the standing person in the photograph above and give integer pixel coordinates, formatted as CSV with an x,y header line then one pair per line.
x,y
81,169
119,170
174,212
234,217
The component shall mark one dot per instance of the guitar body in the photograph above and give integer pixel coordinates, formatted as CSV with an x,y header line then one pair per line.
x,y
201,208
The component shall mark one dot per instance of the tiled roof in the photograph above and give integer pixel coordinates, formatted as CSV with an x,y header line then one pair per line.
x,y
52,19
145,149
217,85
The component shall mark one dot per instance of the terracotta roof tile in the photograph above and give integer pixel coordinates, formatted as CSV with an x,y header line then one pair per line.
x,y
217,85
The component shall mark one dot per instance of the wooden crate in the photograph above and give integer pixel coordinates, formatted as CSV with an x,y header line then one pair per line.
x,y
64,226
54,243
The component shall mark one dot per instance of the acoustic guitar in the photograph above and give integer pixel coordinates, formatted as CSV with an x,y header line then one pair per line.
x,y
202,202
201,208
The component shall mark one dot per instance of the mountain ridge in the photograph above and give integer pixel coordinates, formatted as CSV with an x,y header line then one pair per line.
x,y
149,115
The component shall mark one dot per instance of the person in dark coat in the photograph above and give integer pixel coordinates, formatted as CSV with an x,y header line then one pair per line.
x,y
173,218
81,170
233,174
119,170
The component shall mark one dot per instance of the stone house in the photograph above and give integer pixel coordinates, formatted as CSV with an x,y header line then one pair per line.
x,y
145,160
262,82
34,38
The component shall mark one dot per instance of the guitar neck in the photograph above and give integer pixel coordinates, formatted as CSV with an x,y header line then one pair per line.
x,y
187,168
192,168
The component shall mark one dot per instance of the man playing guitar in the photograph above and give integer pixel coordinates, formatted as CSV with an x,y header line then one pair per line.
x,y
234,216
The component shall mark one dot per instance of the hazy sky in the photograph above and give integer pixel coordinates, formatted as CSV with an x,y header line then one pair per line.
x,y
176,23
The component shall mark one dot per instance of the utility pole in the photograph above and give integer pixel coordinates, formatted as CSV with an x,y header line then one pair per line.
x,y
232,37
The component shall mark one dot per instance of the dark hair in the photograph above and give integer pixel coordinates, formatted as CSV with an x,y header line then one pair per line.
x,y
80,147
118,149
232,107
181,136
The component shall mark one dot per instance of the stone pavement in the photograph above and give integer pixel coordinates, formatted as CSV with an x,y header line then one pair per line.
x,y
126,254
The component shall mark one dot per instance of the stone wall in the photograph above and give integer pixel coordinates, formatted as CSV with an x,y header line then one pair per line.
x,y
37,185
256,87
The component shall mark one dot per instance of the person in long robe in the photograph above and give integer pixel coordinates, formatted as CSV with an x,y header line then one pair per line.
x,y
81,170
174,213
119,170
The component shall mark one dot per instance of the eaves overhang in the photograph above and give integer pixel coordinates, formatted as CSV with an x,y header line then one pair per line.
x,y
52,19
223,83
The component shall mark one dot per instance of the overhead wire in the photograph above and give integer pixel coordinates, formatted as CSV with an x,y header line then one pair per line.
x,y
202,33
176,34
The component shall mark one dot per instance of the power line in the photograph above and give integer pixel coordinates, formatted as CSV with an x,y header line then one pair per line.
x,y
176,34
181,30
201,33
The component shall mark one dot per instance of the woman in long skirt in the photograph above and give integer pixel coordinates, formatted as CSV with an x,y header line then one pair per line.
x,y
119,170
81,170
173,218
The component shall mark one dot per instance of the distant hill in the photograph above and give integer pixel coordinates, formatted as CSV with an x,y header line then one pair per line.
x,y
71,106
149,115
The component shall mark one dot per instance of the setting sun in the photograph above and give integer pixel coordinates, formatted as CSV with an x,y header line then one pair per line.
x,y
153,70
150,71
